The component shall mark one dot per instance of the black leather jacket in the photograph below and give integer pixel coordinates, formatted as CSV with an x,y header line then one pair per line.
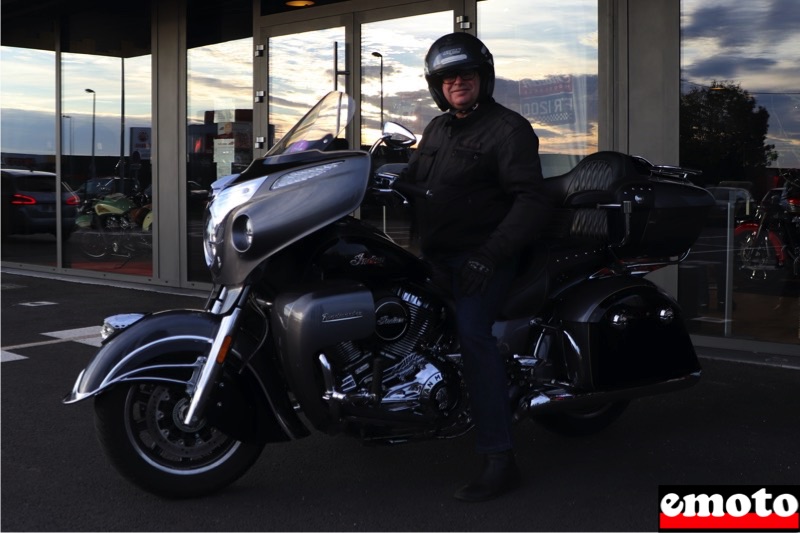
x,y
486,178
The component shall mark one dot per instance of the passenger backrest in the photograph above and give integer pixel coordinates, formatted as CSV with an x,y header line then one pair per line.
x,y
576,194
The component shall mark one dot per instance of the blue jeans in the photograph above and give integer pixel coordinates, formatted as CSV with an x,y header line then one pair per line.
x,y
484,368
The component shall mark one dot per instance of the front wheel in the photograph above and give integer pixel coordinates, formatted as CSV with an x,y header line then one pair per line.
x,y
754,257
141,430
582,422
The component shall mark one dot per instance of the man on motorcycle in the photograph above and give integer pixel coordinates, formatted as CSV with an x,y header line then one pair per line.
x,y
481,163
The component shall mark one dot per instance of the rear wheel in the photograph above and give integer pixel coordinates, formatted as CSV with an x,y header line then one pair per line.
x,y
141,430
582,422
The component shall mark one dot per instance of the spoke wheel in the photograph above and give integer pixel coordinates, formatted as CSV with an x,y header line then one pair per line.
x,y
141,429
93,244
754,257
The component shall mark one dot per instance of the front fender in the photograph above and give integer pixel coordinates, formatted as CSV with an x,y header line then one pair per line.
x,y
133,353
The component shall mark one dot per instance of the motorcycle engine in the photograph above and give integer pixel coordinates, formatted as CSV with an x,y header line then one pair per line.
x,y
413,380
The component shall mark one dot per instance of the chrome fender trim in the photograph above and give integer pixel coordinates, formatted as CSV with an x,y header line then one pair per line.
x,y
131,354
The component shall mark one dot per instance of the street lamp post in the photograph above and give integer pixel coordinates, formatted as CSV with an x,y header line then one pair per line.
x,y
94,109
380,126
71,142
377,54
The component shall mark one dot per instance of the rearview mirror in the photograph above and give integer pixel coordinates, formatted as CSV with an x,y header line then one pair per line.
x,y
396,136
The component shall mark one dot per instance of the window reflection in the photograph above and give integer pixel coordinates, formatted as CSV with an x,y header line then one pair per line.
x,y
546,65
739,124
28,144
106,125
401,44
301,72
219,130
393,88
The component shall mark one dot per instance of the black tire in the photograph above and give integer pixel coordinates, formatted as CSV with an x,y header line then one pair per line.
x,y
582,422
141,431
92,244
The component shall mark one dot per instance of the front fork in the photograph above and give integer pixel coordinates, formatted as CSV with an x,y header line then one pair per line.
x,y
229,298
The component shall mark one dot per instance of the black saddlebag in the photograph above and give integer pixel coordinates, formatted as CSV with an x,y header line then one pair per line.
x,y
619,332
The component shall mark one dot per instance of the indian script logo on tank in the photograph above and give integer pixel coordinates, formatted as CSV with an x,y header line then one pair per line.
x,y
365,259
729,508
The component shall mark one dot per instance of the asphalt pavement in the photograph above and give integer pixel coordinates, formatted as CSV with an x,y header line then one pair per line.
x,y
739,425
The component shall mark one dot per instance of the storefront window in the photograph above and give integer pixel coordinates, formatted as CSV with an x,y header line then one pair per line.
x,y
546,65
393,85
28,146
301,72
739,120
219,129
106,125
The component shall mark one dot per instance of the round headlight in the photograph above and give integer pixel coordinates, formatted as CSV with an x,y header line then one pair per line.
x,y
242,233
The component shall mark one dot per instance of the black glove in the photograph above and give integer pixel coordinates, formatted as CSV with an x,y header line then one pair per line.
x,y
475,274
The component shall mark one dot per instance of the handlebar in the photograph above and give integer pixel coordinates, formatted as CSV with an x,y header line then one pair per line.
x,y
409,189
387,181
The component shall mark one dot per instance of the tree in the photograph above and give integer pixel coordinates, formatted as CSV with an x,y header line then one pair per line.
x,y
723,133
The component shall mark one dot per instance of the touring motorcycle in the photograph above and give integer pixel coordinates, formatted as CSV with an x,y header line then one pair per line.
x,y
319,321
769,244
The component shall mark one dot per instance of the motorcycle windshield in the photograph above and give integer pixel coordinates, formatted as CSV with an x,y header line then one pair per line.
x,y
319,127
301,185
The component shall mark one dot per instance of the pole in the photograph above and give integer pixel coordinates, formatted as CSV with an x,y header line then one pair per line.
x,y
92,168
122,123
378,54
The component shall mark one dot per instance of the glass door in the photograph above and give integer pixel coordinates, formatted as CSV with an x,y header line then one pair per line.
x,y
393,87
546,63
306,61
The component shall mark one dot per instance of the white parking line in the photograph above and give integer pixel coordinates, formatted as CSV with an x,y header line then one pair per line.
x,y
89,336
8,356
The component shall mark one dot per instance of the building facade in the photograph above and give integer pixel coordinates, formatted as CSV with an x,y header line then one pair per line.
x,y
138,108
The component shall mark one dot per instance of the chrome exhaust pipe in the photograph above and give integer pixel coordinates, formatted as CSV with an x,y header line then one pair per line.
x,y
554,399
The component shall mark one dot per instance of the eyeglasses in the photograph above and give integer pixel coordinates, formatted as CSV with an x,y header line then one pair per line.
x,y
465,75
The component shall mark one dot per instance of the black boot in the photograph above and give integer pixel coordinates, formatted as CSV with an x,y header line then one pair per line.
x,y
499,475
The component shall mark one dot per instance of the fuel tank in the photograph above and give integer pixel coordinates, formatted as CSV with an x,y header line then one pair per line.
x,y
352,249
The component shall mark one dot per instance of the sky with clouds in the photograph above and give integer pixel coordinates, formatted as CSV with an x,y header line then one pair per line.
x,y
755,44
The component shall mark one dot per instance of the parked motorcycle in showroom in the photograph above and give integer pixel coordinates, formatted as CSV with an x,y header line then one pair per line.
x,y
115,225
768,245
319,321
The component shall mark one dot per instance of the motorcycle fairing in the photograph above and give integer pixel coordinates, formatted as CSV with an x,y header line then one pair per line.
x,y
282,216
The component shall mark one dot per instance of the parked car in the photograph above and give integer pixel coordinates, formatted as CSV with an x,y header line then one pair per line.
x,y
29,203
743,202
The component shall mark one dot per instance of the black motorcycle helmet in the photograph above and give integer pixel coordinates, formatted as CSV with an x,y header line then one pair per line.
x,y
458,51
